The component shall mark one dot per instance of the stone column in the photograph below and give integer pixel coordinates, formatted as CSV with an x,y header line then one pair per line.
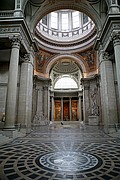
x,y
10,114
79,108
45,101
86,105
25,93
70,108
109,107
62,109
116,42
52,108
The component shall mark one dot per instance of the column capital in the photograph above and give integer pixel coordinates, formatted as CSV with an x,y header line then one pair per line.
x,y
27,57
15,40
116,37
52,94
105,56
86,86
45,87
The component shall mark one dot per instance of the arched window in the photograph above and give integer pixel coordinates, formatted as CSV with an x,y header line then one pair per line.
x,y
54,20
66,83
76,19
65,22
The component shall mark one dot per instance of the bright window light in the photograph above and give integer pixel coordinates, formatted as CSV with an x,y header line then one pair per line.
x,y
65,21
66,83
54,20
75,16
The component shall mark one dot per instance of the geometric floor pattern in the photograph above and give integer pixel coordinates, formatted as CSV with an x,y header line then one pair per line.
x,y
61,154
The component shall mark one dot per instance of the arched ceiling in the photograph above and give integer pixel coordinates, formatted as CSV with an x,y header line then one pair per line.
x,y
75,64
37,9
40,8
65,66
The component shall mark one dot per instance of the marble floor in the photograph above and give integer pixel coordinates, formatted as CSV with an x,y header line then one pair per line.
x,y
61,153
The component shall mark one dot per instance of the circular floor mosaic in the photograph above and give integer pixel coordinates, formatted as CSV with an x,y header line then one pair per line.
x,y
58,160
68,161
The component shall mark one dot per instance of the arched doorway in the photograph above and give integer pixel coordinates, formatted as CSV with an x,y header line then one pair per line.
x,y
66,91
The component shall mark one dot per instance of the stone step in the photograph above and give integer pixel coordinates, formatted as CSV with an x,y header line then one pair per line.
x,y
4,139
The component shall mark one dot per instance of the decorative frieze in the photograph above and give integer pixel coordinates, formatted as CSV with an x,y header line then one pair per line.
x,y
6,14
9,29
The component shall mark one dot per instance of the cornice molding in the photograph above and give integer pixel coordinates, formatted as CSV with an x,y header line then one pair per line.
x,y
112,24
14,26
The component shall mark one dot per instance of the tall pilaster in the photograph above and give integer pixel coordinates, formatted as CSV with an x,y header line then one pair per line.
x,y
52,108
114,8
62,109
25,93
109,106
45,101
11,98
70,108
79,108
86,104
18,9
116,42
49,104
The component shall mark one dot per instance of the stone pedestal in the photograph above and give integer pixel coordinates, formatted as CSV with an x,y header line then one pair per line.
x,y
93,120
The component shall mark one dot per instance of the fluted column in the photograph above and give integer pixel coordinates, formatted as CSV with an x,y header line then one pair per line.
x,y
25,93
10,112
116,42
62,109
109,107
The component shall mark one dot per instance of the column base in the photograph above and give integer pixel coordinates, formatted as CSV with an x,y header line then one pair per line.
x,y
110,129
9,128
93,120
13,134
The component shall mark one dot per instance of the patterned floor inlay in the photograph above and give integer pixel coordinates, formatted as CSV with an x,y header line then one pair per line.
x,y
68,161
60,160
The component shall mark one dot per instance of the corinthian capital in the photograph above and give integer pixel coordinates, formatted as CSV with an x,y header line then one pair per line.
x,y
116,37
27,57
105,56
15,40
